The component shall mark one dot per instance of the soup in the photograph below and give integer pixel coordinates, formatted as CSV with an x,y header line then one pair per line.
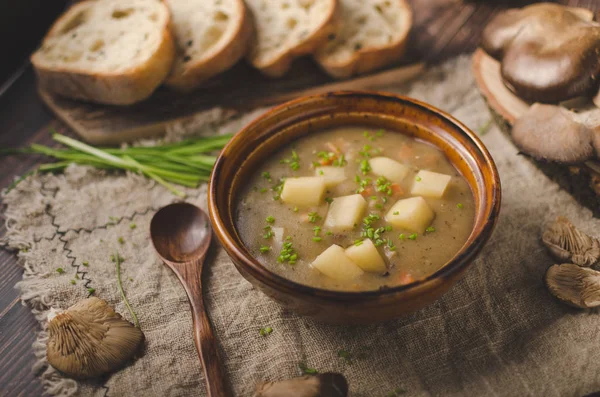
x,y
355,209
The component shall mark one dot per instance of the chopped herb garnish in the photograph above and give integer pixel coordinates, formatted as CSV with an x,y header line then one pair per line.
x,y
401,236
321,172
265,249
379,133
317,230
270,219
121,240
287,254
263,190
317,239
329,233
307,371
132,226
418,179
365,167
340,162
362,184
484,128
430,229
329,200
73,282
85,263
294,161
388,228
379,206
60,270
76,276
265,331
268,233
383,185
91,290
267,176
396,213
358,242
345,355
391,245
460,206
379,242
313,217
413,236
278,188
374,198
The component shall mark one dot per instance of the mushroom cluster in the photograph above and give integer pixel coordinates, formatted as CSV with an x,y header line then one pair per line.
x,y
90,339
549,53
573,283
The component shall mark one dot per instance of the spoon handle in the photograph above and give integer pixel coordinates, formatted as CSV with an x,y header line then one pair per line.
x,y
205,340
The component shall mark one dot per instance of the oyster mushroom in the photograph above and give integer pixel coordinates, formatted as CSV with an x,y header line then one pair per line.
x,y
549,52
90,339
567,243
553,133
323,385
574,285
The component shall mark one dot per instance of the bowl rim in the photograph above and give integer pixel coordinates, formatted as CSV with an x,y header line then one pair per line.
x,y
450,268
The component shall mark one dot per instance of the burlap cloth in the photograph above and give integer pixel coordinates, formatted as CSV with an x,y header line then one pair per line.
x,y
497,332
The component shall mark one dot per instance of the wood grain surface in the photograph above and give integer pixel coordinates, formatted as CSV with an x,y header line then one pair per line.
x,y
443,28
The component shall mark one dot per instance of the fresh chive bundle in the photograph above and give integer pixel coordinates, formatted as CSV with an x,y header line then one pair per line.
x,y
186,163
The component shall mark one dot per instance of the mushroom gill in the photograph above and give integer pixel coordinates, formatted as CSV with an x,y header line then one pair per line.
x,y
90,339
567,243
574,285
549,52
553,133
323,385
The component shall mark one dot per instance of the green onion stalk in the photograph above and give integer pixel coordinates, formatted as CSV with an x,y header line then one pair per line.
x,y
187,163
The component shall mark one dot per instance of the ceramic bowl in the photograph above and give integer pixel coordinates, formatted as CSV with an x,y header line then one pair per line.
x,y
244,154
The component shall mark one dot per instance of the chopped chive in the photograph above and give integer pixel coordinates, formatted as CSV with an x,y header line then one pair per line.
x,y
295,209
121,240
345,355
306,370
132,226
396,212
85,263
321,172
264,249
317,230
388,228
379,133
329,233
401,236
430,229
329,200
460,206
267,176
91,290
317,239
76,276
73,282
365,167
265,331
358,242
263,190
418,179
313,217
413,236
270,219
60,270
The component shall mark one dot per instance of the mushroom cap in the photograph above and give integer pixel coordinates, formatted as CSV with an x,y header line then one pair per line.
x,y
549,52
574,285
567,243
90,339
329,384
553,133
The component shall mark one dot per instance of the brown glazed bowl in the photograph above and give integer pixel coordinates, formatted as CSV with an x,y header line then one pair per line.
x,y
276,128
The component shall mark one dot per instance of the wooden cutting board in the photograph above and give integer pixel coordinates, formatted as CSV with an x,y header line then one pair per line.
x,y
239,89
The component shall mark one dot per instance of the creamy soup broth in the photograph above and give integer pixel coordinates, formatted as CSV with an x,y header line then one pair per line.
x,y
287,227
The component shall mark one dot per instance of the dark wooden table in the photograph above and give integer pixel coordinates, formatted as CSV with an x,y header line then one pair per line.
x,y
443,28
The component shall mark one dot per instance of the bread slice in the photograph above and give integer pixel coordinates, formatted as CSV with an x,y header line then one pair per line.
x,y
374,34
107,51
286,29
210,35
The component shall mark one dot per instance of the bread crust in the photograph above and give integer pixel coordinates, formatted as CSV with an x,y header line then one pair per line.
x,y
370,58
196,73
281,65
123,87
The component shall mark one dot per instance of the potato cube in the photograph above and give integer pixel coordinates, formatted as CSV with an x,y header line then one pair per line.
x,y
392,170
333,175
345,212
412,214
334,263
366,257
305,191
430,184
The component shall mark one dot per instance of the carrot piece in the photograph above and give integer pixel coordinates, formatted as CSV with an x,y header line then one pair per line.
x,y
397,190
405,278
368,192
326,162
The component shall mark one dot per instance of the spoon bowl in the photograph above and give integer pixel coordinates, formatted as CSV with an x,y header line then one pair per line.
x,y
181,235
180,232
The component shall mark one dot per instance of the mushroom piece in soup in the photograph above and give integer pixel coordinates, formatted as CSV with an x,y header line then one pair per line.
x,y
355,209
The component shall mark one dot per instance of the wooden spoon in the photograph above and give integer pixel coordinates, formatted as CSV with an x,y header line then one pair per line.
x,y
181,236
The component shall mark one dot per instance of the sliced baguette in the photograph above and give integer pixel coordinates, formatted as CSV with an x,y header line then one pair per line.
x,y
374,34
107,51
286,29
210,35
